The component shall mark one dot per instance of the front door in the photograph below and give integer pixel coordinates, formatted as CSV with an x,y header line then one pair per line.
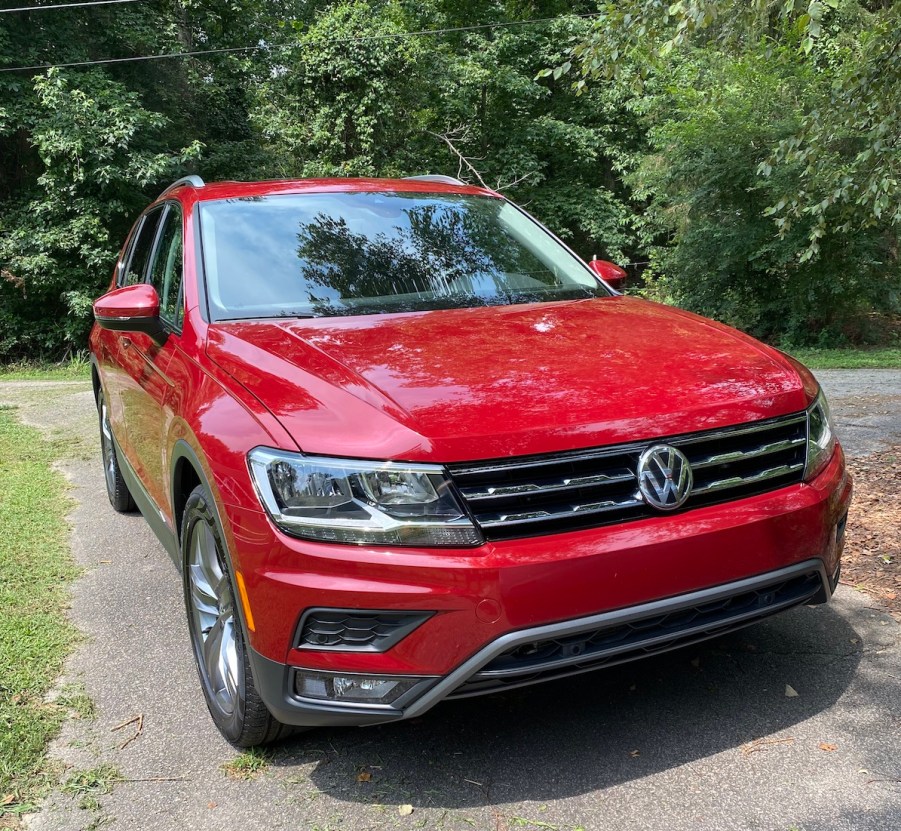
x,y
147,360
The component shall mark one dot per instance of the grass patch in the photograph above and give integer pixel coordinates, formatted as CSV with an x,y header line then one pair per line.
x,y
79,704
87,785
880,358
247,765
35,634
75,369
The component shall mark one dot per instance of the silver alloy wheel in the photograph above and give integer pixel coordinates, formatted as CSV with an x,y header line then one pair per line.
x,y
213,617
106,448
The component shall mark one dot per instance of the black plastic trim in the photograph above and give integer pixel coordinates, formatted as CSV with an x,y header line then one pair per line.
x,y
416,620
274,682
154,327
470,667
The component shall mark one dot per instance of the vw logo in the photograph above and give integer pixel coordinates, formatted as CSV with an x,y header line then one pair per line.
x,y
664,477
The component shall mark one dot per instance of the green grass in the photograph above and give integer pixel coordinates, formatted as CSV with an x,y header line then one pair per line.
x,y
35,635
247,765
87,785
876,358
76,369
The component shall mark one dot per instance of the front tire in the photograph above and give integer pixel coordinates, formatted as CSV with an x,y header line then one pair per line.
x,y
217,637
116,489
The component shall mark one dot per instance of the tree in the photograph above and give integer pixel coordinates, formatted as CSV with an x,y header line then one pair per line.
x,y
821,167
82,150
92,140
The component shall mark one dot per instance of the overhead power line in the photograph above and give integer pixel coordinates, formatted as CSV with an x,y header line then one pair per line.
x,y
288,46
66,6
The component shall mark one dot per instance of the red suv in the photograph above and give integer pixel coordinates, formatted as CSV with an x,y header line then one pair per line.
x,y
404,446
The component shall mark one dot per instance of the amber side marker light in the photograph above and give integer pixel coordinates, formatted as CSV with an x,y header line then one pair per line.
x,y
245,603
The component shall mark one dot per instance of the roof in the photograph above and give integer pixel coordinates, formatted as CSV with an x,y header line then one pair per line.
x,y
236,190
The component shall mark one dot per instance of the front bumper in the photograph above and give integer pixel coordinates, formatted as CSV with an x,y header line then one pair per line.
x,y
620,636
616,593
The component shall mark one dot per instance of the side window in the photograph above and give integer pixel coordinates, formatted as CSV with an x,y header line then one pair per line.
x,y
140,251
166,271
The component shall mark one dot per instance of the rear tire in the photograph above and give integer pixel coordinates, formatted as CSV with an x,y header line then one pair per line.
x,y
217,635
116,489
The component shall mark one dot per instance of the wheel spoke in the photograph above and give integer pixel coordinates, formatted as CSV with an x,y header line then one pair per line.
x,y
229,658
212,652
104,422
106,448
204,598
209,557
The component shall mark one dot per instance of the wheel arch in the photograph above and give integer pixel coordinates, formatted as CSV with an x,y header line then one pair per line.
x,y
95,378
187,473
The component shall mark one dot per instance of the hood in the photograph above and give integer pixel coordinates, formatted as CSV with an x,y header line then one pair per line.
x,y
466,384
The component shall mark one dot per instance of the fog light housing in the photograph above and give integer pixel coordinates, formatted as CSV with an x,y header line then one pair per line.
x,y
359,690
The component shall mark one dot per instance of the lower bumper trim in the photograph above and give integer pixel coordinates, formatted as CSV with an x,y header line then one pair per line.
x,y
606,646
456,684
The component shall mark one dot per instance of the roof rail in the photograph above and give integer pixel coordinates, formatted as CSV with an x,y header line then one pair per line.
x,y
436,177
193,180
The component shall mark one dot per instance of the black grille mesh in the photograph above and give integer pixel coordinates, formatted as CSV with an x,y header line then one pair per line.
x,y
355,630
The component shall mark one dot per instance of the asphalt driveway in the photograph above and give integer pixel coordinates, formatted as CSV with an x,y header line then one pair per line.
x,y
700,739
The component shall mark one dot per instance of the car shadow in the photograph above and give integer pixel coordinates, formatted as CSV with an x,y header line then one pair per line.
x,y
597,730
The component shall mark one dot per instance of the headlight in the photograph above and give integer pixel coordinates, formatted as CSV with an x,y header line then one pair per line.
x,y
342,500
820,437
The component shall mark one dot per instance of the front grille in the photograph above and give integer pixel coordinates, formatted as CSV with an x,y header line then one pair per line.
x,y
545,660
532,495
355,630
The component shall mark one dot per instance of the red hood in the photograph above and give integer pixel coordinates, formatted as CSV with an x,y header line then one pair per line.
x,y
500,381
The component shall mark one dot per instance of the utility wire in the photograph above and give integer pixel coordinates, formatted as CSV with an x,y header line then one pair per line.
x,y
66,6
265,46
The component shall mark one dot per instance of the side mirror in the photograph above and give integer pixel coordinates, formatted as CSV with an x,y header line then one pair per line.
x,y
610,273
131,309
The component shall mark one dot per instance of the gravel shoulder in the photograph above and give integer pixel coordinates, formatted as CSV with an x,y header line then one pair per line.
x,y
700,739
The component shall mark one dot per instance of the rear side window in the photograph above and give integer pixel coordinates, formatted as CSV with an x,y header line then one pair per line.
x,y
166,270
139,256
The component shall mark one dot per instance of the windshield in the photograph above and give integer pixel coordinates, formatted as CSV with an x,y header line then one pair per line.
x,y
324,254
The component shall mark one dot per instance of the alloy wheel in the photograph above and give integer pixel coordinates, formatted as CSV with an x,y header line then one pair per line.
x,y
213,618
106,447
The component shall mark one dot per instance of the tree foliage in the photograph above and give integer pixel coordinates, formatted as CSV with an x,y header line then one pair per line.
x,y
773,174
747,148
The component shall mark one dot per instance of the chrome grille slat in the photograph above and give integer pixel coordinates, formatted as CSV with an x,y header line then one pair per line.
x,y
744,430
738,455
541,516
505,466
583,488
568,484
738,481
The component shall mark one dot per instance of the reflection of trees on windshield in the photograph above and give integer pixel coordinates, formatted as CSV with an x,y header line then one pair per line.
x,y
445,250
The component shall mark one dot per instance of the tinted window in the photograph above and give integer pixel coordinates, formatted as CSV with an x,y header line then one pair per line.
x,y
166,271
364,253
141,250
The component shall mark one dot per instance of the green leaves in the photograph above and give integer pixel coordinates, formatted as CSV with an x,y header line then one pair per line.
x,y
772,176
93,138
